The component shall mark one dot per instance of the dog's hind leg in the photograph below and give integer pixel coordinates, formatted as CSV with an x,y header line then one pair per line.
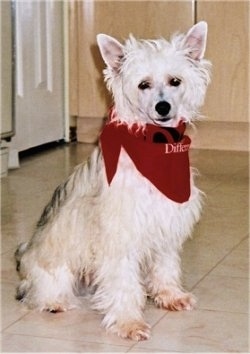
x,y
48,282
50,290
121,298
50,265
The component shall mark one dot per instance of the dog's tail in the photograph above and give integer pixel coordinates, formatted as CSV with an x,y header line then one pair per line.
x,y
21,249
80,180
58,198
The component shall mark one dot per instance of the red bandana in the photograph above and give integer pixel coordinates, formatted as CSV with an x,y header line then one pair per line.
x,y
159,154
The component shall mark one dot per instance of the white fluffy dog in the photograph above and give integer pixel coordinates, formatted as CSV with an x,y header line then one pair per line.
x,y
119,221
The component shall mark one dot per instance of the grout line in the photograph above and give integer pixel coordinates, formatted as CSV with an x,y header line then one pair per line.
x,y
124,346
220,261
4,329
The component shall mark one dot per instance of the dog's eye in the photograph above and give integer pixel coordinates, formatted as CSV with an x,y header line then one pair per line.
x,y
144,85
175,81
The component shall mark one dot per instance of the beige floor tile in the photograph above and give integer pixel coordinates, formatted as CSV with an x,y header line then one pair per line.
x,y
8,268
221,164
18,343
214,237
220,167
236,264
190,279
11,310
199,331
74,325
223,225
223,293
145,350
201,255
226,195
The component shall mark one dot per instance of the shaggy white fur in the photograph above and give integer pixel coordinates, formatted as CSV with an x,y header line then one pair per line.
x,y
123,239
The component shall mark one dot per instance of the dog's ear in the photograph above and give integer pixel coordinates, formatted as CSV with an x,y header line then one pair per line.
x,y
111,50
196,40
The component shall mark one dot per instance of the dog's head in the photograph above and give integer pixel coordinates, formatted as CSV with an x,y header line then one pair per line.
x,y
156,81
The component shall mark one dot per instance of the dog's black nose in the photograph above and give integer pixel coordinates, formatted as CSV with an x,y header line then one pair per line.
x,y
163,108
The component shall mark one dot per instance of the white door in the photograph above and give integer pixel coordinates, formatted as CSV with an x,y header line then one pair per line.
x,y
6,124
39,108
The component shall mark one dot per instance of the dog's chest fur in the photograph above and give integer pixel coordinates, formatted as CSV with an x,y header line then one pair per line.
x,y
148,219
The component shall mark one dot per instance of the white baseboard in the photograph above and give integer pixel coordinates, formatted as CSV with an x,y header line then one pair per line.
x,y
13,159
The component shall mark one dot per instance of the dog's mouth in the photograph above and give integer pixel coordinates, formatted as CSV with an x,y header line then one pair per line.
x,y
163,120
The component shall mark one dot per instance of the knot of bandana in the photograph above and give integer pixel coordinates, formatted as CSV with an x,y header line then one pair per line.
x,y
159,154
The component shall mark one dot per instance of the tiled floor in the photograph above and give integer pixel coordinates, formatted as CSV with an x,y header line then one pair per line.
x,y
215,265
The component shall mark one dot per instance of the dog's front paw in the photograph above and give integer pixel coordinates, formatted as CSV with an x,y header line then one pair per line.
x,y
135,330
175,300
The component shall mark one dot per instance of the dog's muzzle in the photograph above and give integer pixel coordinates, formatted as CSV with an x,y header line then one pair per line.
x,y
163,108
